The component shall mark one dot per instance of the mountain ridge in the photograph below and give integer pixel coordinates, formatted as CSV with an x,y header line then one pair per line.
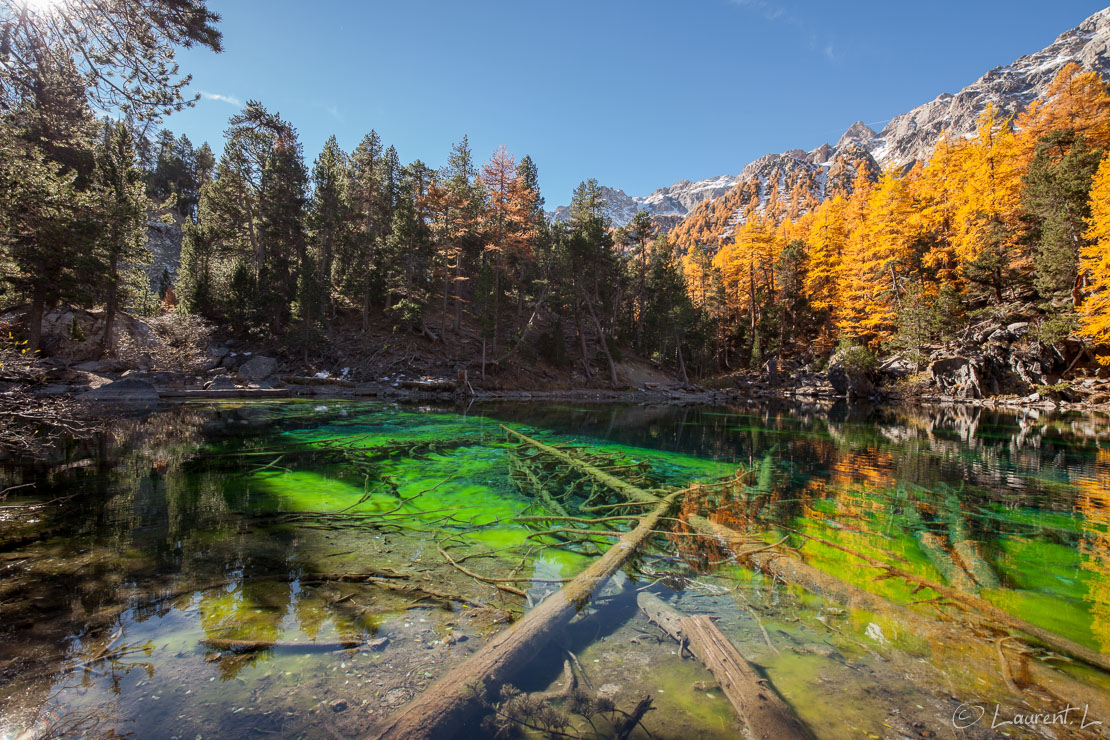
x,y
907,137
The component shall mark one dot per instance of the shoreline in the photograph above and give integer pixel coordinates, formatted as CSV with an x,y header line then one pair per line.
x,y
661,396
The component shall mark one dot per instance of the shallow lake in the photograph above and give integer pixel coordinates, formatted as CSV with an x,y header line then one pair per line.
x,y
305,569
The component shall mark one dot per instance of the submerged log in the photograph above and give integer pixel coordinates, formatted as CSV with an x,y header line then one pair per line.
x,y
936,553
610,481
250,646
663,616
967,552
764,714
444,708
539,489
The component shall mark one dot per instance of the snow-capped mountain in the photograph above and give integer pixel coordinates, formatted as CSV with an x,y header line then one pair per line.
x,y
907,137
675,200
912,135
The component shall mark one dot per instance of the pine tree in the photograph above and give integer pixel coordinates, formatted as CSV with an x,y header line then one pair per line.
x,y
409,248
985,234
1076,100
123,50
587,250
359,267
636,236
331,217
281,230
1056,200
48,228
826,238
669,315
508,227
463,204
123,205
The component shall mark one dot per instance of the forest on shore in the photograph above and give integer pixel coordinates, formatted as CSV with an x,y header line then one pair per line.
x,y
1012,223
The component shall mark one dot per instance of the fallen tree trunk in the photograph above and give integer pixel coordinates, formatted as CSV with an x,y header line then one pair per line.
x,y
967,552
538,488
312,380
250,646
945,564
443,709
765,715
610,481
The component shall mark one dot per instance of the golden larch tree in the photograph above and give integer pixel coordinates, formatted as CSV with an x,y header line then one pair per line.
x,y
1095,263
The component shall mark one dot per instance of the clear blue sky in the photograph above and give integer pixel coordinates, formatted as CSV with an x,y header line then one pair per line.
x,y
638,94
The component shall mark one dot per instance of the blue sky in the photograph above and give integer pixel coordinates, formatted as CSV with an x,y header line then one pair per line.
x,y
637,93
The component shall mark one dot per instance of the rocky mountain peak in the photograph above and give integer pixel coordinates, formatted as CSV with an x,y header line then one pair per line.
x,y
858,133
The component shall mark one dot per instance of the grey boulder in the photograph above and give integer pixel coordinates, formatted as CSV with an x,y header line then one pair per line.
x,y
258,368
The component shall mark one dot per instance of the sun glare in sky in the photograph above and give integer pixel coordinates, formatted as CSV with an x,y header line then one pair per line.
x,y
43,6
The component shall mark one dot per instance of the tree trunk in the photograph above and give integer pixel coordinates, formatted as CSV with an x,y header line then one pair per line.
x,y
764,714
604,345
582,344
643,298
458,296
107,343
442,710
34,318
681,362
446,289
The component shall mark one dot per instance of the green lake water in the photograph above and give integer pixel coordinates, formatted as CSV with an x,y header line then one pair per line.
x,y
281,569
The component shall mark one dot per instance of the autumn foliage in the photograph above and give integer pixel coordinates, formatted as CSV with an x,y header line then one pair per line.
x,y
974,225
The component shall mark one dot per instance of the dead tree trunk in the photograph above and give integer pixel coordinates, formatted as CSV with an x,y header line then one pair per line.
x,y
443,709
604,345
611,481
763,712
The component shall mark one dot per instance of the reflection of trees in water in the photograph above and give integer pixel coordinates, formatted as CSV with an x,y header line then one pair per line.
x,y
1094,548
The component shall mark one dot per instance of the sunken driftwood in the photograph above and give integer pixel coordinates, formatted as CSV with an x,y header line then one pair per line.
x,y
443,709
610,481
764,714
250,646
